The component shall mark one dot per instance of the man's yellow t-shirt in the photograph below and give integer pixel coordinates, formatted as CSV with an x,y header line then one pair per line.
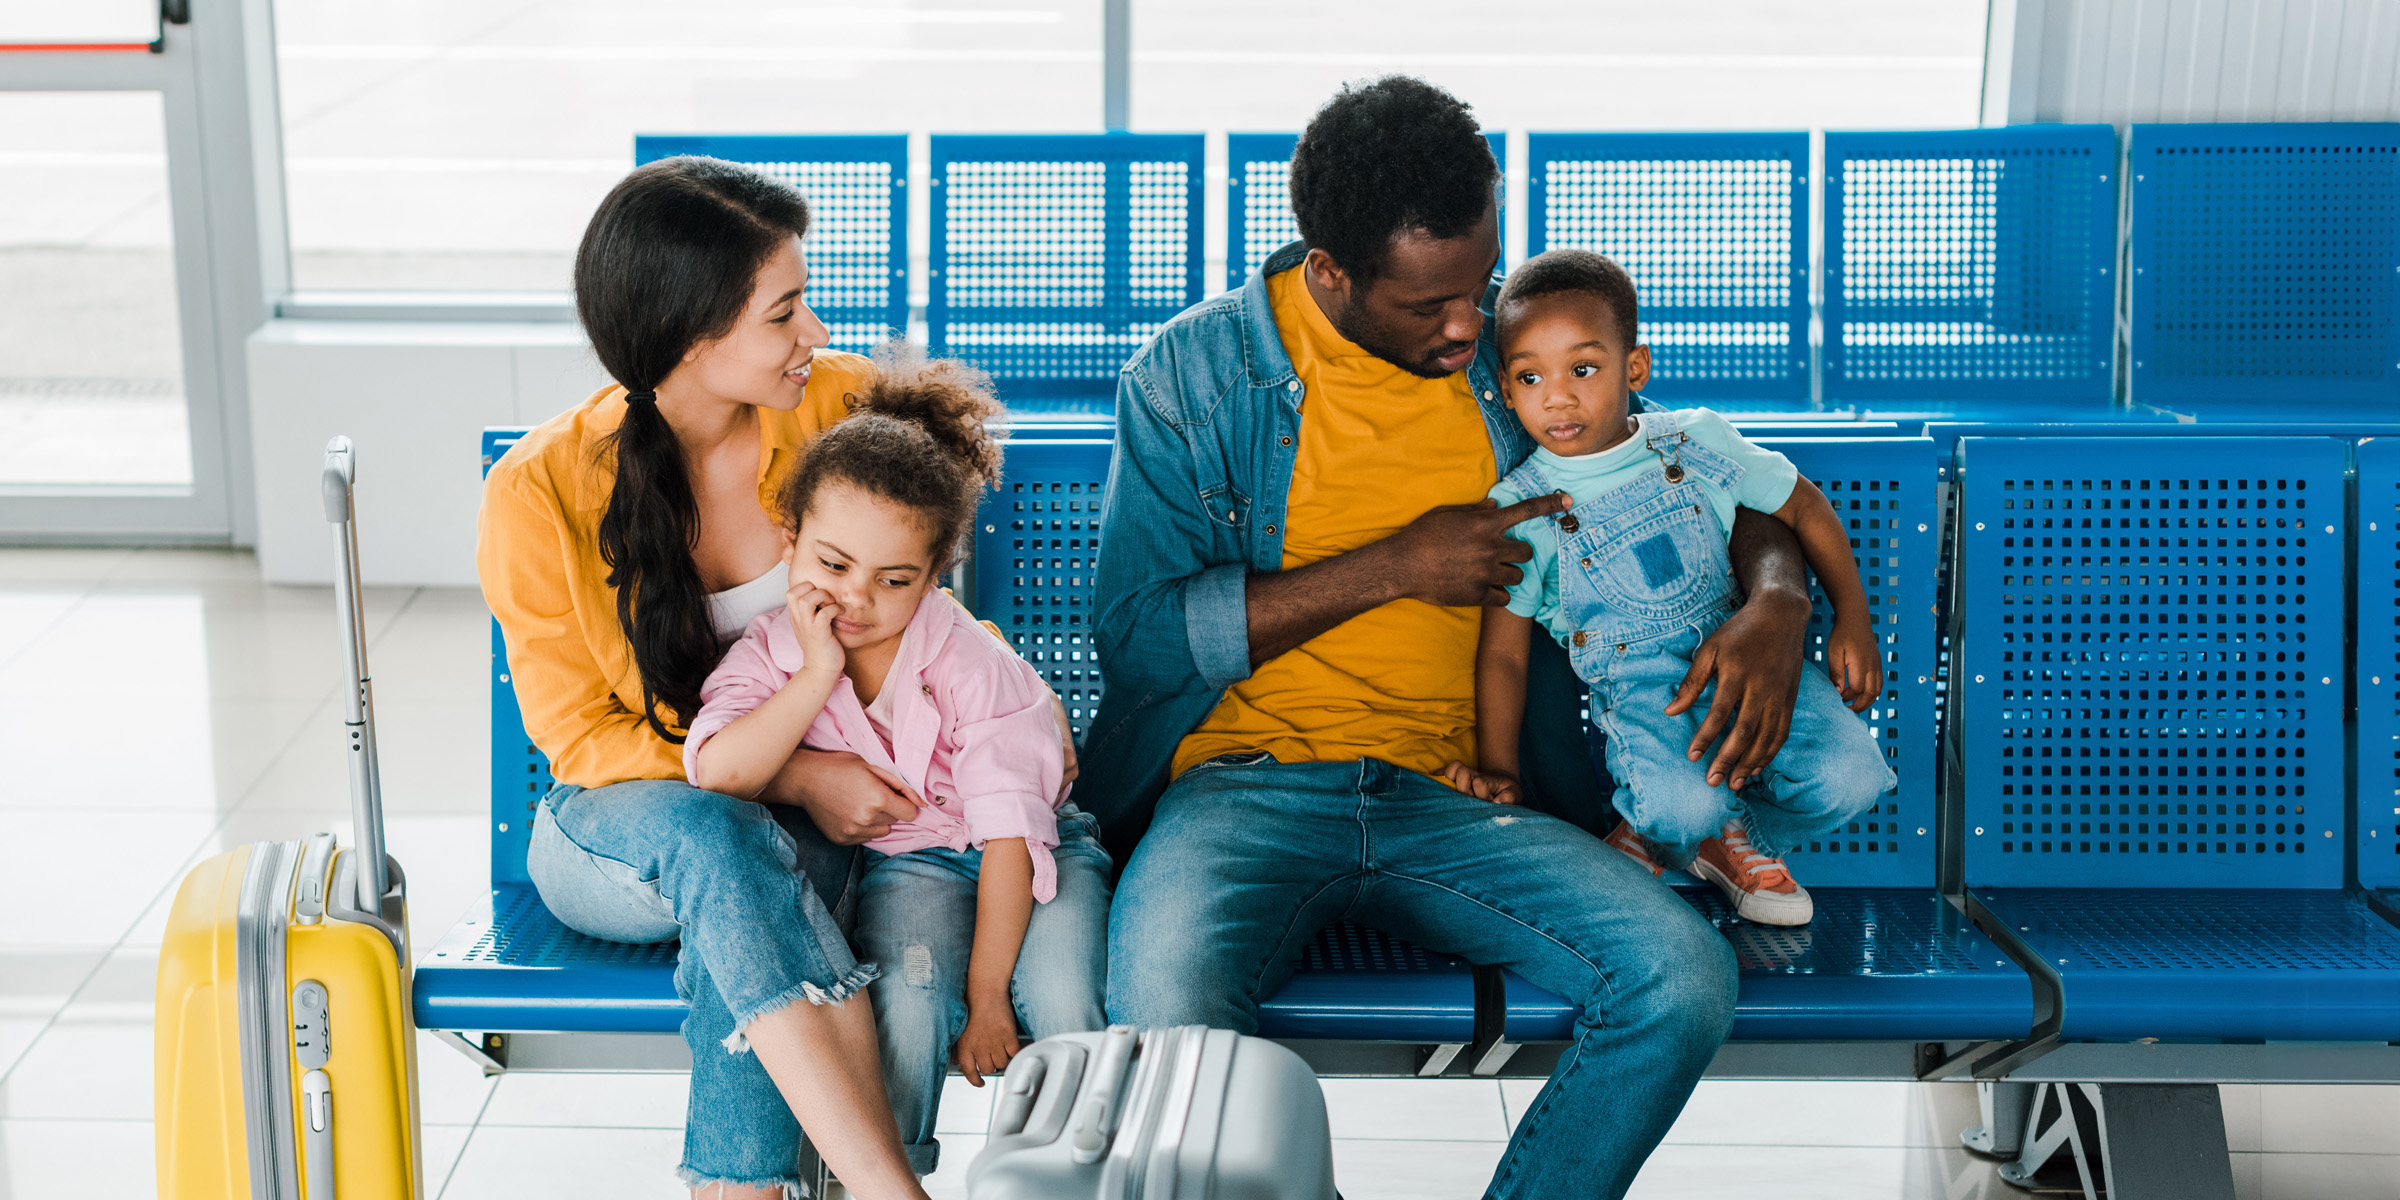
x,y
1378,448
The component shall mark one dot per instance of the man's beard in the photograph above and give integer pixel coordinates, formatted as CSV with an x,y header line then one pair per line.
x,y
1373,339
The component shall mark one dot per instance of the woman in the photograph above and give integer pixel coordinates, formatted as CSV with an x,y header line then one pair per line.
x,y
622,545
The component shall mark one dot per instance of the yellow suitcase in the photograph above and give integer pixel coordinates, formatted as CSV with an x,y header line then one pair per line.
x,y
286,1065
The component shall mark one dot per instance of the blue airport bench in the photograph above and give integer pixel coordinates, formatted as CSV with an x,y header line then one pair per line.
x,y
1715,229
1972,269
1055,256
2376,674
1887,958
2210,904
857,243
2266,265
1258,208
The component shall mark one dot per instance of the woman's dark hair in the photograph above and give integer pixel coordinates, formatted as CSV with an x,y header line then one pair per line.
x,y
916,436
668,262
1580,271
1391,156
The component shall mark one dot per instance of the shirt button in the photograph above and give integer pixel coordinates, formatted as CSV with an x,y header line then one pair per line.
x,y
1287,439
1270,529
1293,386
1487,393
1579,637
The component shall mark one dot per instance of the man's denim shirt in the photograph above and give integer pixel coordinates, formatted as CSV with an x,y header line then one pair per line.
x,y
1208,417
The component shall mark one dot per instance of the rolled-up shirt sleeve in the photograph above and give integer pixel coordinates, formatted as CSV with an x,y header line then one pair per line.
x,y
744,679
1009,762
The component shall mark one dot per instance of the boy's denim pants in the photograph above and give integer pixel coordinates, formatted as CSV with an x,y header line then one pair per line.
x,y
752,893
1248,858
916,918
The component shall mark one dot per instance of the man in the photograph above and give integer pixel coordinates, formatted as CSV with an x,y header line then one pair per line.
x,y
1291,585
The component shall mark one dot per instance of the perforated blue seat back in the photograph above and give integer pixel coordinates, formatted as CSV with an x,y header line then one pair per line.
x,y
2378,573
1714,229
1037,544
1883,489
857,243
1258,208
520,771
2154,662
2266,263
1971,265
1055,256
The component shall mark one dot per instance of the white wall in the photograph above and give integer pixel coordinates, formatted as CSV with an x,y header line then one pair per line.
x,y
2124,61
413,395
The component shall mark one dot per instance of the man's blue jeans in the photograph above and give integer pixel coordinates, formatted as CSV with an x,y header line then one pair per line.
x,y
916,917
752,891
1248,858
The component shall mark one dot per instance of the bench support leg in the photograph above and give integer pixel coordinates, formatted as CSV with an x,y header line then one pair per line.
x,y
2007,1109
2127,1141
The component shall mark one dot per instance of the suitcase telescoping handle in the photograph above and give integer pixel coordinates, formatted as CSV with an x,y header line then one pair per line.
x,y
366,780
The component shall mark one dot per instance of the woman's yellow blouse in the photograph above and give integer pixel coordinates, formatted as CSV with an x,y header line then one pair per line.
x,y
538,553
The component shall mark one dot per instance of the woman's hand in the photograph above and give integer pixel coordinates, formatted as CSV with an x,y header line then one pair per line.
x,y
811,610
1499,787
851,800
1855,662
989,1042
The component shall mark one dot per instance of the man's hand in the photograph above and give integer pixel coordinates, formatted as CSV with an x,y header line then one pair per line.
x,y
851,800
1756,658
1499,787
1460,555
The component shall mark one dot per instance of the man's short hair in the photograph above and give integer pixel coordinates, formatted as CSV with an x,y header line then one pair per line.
x,y
1392,156
1555,271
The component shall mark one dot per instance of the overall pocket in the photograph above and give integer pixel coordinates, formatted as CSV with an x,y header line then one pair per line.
x,y
1655,565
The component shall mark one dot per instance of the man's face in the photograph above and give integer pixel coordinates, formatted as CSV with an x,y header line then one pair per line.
x,y
1419,312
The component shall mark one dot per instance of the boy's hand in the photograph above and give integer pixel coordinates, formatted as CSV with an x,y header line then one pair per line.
x,y
811,610
989,1042
1499,787
1855,663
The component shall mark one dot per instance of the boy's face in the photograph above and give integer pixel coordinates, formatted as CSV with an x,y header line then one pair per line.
x,y
1566,372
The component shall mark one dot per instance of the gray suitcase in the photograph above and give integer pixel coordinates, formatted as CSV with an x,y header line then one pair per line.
x,y
1190,1113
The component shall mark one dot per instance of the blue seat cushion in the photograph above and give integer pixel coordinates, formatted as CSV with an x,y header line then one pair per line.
x,y
2219,964
515,969
1877,964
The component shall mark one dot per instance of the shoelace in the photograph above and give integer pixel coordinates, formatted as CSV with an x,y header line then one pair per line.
x,y
1737,845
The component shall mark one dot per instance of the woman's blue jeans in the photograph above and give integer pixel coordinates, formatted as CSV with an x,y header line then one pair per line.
x,y
916,916
753,892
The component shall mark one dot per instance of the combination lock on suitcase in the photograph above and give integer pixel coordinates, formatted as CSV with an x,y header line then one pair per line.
x,y
1190,1113
286,1065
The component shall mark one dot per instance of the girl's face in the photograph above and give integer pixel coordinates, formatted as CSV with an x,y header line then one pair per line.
x,y
764,359
874,556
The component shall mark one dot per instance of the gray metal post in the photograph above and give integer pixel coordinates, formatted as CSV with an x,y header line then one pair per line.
x,y
2163,1141
1116,64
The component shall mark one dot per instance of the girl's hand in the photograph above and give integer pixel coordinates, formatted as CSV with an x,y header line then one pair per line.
x,y
1499,787
1854,662
811,610
989,1042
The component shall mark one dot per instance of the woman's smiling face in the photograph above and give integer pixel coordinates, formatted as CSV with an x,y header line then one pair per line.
x,y
874,556
764,358
1565,374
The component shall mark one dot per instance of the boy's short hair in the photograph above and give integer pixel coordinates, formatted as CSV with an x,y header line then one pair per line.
x,y
1388,157
1572,270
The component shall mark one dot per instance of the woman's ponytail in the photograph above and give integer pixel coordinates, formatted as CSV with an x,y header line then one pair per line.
x,y
919,435
667,263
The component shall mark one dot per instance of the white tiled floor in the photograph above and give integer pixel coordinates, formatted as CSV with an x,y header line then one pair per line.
x,y
157,707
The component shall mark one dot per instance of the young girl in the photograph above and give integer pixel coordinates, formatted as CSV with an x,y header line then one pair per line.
x,y
990,905
1634,577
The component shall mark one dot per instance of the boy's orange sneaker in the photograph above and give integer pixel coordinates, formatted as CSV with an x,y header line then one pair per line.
x,y
1624,838
1761,888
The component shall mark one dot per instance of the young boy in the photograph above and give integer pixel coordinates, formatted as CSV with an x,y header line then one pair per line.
x,y
1635,575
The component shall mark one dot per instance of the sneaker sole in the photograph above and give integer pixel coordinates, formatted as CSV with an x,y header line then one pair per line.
x,y
1750,906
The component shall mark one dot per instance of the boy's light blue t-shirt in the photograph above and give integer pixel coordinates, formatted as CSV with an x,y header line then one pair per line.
x,y
1767,481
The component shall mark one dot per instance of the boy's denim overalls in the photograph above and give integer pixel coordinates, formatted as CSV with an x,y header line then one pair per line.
x,y
1644,577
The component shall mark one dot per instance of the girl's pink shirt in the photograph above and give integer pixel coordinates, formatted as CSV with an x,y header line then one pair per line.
x,y
973,730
